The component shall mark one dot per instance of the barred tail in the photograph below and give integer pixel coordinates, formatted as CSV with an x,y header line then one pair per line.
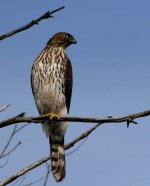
x,y
58,160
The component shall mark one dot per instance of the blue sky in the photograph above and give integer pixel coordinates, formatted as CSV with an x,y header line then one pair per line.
x,y
111,77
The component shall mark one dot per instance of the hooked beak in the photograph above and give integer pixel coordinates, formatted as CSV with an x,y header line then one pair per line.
x,y
73,41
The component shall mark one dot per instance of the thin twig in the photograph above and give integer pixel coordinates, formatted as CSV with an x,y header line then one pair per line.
x,y
47,174
42,119
8,142
34,182
46,15
77,148
4,107
20,180
11,150
4,164
43,160
22,127
14,131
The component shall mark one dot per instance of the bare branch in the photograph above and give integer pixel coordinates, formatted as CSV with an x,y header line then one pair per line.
x,y
77,148
22,127
43,160
8,142
42,119
47,173
46,15
14,131
4,164
20,180
11,150
4,107
35,181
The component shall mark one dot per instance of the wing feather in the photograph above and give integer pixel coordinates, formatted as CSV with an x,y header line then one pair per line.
x,y
68,84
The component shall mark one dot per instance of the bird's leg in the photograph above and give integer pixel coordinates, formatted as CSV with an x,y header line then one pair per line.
x,y
52,116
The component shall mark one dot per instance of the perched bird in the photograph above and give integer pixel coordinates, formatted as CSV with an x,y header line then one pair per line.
x,y
51,81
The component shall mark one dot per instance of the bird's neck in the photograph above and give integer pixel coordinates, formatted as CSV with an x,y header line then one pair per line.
x,y
57,51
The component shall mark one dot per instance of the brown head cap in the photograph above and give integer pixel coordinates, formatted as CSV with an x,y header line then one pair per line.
x,y
62,39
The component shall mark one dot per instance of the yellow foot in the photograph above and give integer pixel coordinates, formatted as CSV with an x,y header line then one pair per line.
x,y
52,116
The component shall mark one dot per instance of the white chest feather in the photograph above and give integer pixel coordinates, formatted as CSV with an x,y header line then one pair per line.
x,y
49,84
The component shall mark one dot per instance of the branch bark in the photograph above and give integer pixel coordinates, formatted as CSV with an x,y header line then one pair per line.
x,y
4,108
42,119
46,15
43,160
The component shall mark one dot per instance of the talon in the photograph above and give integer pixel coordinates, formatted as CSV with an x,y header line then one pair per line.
x,y
52,116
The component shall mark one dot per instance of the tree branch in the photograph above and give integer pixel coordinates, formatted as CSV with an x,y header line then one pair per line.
x,y
42,119
14,131
43,160
8,143
4,107
11,150
46,15
47,173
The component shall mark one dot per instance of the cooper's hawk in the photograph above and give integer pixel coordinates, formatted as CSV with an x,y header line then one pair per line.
x,y
51,80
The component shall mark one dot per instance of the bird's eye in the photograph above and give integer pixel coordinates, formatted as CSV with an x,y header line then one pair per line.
x,y
67,36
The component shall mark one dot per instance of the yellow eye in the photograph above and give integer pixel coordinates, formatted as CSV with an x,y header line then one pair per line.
x,y
67,36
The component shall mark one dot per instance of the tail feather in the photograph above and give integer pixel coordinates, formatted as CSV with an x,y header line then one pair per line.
x,y
58,160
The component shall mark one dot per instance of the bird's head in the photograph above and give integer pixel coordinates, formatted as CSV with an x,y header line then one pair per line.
x,y
62,39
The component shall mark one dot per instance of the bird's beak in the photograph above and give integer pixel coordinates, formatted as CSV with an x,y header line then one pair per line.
x,y
73,41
